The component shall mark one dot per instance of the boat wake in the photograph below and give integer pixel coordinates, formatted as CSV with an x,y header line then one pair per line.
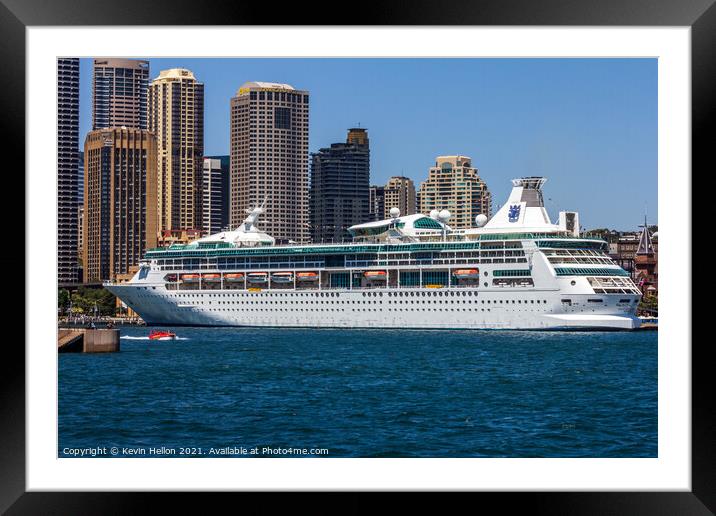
x,y
131,337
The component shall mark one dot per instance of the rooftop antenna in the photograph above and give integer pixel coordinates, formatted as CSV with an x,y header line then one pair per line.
x,y
552,205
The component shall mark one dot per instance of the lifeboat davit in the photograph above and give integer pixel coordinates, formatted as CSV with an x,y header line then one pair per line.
x,y
257,277
171,278
211,277
375,275
282,277
234,276
306,276
190,278
467,274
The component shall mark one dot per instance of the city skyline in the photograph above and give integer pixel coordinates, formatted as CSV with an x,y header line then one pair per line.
x,y
515,117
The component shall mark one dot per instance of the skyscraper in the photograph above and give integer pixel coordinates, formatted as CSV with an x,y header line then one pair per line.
x,y
120,217
176,116
68,102
213,190
453,184
399,193
269,158
340,183
119,93
224,162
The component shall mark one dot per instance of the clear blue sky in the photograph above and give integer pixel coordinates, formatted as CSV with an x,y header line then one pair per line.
x,y
589,125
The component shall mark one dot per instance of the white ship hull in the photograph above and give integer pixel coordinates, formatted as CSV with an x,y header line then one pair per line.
x,y
519,271
403,308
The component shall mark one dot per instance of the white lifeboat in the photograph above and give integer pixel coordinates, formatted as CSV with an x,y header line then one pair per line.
x,y
282,277
257,277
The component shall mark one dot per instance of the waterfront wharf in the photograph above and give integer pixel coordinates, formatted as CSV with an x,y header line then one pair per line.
x,y
85,340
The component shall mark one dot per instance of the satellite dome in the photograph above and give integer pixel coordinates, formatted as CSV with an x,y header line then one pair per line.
x,y
481,220
444,215
434,214
395,213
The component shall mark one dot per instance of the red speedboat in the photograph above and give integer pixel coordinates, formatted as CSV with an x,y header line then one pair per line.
x,y
162,335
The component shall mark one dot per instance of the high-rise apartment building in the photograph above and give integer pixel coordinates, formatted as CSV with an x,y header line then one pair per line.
x,y
176,117
453,184
340,184
68,102
269,158
213,190
376,202
120,216
399,193
119,93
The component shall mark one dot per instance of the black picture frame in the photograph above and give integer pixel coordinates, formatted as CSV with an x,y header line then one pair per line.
x,y
700,15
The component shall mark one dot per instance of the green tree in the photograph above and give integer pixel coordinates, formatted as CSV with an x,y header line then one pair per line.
x,y
86,299
63,300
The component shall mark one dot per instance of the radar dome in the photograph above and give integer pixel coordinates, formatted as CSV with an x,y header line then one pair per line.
x,y
481,220
434,214
395,213
444,215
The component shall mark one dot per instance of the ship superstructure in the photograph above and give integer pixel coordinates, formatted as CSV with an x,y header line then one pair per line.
x,y
517,270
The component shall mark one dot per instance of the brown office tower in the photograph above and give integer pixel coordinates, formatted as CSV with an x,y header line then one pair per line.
x,y
120,216
453,184
176,117
269,158
119,93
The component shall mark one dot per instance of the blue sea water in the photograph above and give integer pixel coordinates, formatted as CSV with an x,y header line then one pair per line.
x,y
364,393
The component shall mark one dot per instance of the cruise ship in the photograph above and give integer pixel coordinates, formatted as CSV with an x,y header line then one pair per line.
x,y
517,270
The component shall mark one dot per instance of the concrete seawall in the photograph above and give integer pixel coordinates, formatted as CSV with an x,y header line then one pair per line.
x,y
87,340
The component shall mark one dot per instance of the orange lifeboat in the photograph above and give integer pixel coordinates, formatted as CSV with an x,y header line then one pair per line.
x,y
375,275
467,274
234,276
306,276
190,278
211,277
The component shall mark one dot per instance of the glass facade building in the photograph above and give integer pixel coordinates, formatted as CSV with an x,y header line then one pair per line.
x,y
214,193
